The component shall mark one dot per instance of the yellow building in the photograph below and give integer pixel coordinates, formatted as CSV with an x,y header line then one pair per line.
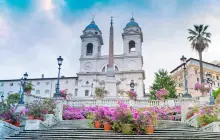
x,y
193,75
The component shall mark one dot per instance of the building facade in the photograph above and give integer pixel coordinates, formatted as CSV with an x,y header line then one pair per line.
x,y
93,66
193,75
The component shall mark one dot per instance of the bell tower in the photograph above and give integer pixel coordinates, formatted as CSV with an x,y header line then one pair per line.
x,y
91,41
132,38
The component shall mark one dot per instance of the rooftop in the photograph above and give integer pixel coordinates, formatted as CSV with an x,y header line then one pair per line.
x,y
194,60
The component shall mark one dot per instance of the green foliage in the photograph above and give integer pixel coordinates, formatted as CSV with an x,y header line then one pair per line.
x,y
216,93
13,98
28,86
163,80
100,92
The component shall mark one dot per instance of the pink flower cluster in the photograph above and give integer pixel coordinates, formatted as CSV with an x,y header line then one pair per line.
x,y
63,93
162,93
197,86
122,112
132,94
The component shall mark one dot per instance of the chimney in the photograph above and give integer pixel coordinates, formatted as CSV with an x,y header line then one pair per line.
x,y
42,76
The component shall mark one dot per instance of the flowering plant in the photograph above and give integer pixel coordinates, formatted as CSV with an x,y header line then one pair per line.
x,y
197,86
192,111
204,88
63,93
100,92
162,93
132,94
207,115
49,105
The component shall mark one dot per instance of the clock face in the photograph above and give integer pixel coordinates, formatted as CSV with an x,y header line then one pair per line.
x,y
88,66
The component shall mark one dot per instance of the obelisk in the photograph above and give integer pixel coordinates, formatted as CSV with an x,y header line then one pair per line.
x,y
110,82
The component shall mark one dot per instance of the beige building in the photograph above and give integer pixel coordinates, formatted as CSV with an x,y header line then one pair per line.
x,y
193,75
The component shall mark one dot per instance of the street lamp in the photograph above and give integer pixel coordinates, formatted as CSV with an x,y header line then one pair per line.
x,y
186,95
59,60
210,82
23,82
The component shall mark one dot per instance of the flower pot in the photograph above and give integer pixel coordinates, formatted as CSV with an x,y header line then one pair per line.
x,y
30,117
8,121
204,124
17,124
97,124
28,92
150,129
107,126
127,128
38,118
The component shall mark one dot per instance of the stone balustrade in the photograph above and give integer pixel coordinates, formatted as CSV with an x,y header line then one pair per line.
x,y
50,120
7,129
212,127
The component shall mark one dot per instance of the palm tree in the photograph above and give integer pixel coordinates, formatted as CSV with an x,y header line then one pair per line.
x,y
200,40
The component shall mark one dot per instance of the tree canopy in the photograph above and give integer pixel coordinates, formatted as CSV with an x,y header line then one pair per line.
x,y
163,80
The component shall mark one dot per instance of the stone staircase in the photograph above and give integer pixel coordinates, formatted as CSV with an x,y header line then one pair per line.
x,y
79,130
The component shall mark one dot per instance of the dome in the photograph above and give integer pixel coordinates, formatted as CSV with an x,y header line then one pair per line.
x,y
92,25
132,23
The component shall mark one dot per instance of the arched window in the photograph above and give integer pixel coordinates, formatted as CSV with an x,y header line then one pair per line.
x,y
131,46
89,49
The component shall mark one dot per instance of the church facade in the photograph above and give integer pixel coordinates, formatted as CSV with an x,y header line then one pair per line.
x,y
127,68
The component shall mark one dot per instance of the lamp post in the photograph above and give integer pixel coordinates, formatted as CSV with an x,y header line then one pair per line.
x,y
210,82
23,82
186,95
59,60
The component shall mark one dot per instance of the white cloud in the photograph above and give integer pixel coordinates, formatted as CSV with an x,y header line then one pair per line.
x,y
37,41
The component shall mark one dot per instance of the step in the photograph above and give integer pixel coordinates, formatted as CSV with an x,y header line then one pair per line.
x,y
117,137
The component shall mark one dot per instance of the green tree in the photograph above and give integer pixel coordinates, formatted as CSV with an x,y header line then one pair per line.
x,y
216,93
200,40
13,98
163,80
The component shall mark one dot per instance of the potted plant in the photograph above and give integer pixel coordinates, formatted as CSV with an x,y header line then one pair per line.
x,y
207,115
98,117
204,88
151,121
123,119
28,87
63,93
132,94
49,105
192,111
36,110
162,94
100,92
107,119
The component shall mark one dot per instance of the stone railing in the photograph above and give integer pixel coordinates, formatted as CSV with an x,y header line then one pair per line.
x,y
212,127
193,121
50,120
7,129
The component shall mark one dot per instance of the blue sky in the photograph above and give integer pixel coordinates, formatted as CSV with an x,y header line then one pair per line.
x,y
41,30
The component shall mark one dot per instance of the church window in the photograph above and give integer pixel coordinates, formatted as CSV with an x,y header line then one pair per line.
x,y
103,69
116,68
96,32
87,82
131,46
86,92
89,49
76,92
